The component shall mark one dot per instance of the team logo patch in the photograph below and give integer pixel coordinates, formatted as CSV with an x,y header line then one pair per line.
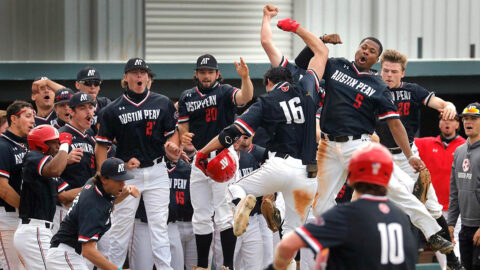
x,y
384,208
88,186
175,115
466,165
285,88
319,221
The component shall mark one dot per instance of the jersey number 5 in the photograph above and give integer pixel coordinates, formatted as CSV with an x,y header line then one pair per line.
x,y
293,111
358,101
391,237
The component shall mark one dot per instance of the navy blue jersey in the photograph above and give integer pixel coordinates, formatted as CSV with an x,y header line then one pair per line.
x,y
180,207
287,114
12,151
353,99
370,233
408,98
140,125
76,174
101,103
258,152
297,72
58,123
50,119
39,194
261,137
88,218
247,163
207,114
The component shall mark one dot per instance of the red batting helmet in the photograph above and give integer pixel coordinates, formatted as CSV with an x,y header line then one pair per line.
x,y
223,167
39,135
372,164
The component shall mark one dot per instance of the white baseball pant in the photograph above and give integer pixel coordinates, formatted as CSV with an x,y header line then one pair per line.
x,y
8,255
175,246
248,250
307,257
333,159
267,239
60,213
65,257
32,242
140,249
208,197
432,204
187,238
154,184
288,176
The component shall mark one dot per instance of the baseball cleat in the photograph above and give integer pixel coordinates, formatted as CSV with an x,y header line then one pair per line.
x,y
271,214
455,265
438,243
242,213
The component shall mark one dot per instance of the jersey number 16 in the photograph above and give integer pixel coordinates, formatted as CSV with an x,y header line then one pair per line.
x,y
293,110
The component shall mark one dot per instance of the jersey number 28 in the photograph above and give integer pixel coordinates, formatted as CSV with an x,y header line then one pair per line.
x,y
292,110
391,236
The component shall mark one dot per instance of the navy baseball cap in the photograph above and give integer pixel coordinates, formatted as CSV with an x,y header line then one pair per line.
x,y
80,98
63,95
40,78
136,63
207,61
472,109
114,168
88,73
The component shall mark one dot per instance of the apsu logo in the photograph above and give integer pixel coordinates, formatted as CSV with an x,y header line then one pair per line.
x,y
224,163
466,165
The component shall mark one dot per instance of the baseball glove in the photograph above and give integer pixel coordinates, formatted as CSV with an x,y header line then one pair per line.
x,y
421,186
271,214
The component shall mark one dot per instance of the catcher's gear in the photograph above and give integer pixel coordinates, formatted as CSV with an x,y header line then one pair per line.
x,y
271,214
242,213
223,167
371,163
39,135
420,189
288,25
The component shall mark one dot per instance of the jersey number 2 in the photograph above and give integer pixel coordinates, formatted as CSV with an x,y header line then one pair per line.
x,y
391,236
293,111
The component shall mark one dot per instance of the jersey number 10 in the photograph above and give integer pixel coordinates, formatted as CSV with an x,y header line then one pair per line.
x,y
391,237
293,111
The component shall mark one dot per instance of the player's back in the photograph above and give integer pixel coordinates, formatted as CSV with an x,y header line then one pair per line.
x,y
378,237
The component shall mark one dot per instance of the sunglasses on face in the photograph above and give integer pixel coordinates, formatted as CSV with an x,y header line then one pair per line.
x,y
91,82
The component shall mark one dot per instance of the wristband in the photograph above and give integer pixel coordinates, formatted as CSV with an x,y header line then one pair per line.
x,y
412,156
64,147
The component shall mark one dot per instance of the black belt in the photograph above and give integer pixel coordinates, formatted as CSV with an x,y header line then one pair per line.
x,y
341,138
282,155
397,150
146,164
48,225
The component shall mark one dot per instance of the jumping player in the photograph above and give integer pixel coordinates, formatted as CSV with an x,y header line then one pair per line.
x,y
89,218
89,81
370,233
142,122
203,112
42,166
13,147
287,113
43,94
357,95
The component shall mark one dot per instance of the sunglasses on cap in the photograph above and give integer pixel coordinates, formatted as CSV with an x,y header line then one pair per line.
x,y
91,82
471,109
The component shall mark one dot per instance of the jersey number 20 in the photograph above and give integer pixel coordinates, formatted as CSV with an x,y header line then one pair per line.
x,y
391,237
293,111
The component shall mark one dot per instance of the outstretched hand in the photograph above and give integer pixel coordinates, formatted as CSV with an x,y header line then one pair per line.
x,y
242,68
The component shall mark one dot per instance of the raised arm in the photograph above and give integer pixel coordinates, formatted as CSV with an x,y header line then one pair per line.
x,y
273,53
246,92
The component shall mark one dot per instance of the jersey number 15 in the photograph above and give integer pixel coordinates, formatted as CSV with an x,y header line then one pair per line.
x,y
293,110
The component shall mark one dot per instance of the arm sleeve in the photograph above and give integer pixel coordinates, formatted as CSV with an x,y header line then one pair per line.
x,y
61,185
251,119
329,230
169,121
453,209
424,95
91,223
303,58
183,115
105,134
231,94
386,107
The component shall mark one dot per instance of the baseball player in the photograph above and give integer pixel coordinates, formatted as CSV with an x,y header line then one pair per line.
x,y
142,122
204,111
42,166
370,233
13,147
89,218
408,97
61,108
464,186
89,81
358,96
43,94
286,111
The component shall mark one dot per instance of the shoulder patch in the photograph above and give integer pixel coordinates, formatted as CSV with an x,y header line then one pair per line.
x,y
88,186
285,88
384,208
